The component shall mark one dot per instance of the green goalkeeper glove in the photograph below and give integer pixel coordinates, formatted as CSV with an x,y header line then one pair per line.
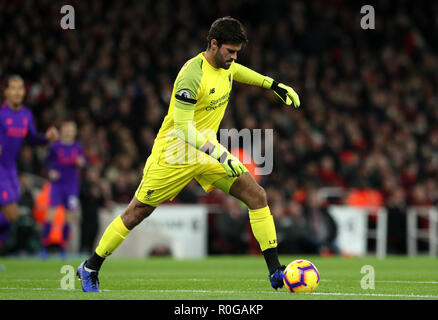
x,y
284,92
232,166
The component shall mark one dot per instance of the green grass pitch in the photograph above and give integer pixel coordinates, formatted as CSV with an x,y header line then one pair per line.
x,y
221,278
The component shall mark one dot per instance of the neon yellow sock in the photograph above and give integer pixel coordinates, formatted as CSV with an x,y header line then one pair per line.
x,y
263,227
113,236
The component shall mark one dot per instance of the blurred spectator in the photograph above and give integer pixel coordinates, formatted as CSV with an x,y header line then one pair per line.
x,y
328,173
28,161
25,236
231,227
397,210
292,229
363,196
323,228
93,196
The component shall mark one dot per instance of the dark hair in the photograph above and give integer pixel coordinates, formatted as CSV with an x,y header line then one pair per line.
x,y
14,77
227,30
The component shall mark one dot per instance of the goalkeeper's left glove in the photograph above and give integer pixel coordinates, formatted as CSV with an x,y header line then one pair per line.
x,y
284,92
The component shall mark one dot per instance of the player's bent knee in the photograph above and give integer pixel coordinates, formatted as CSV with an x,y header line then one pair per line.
x,y
260,198
257,198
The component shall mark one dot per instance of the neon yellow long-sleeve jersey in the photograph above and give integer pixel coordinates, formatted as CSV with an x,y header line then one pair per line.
x,y
199,98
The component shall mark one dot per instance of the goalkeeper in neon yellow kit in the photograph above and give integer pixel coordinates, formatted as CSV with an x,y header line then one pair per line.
x,y
199,99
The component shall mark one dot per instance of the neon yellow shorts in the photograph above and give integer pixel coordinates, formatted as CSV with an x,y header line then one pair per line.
x,y
161,183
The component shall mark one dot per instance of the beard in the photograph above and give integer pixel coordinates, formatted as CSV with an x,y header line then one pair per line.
x,y
221,62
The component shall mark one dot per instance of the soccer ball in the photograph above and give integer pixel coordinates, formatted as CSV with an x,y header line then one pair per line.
x,y
301,276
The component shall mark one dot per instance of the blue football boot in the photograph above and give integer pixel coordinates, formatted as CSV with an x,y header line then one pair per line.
x,y
89,280
276,278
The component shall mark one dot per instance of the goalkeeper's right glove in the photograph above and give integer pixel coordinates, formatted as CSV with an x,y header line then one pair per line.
x,y
232,166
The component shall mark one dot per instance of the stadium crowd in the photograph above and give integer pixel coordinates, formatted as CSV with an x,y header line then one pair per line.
x,y
369,97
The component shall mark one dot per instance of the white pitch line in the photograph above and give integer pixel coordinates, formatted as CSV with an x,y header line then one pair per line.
x,y
229,280
285,292
387,295
37,289
263,280
27,280
385,281
372,295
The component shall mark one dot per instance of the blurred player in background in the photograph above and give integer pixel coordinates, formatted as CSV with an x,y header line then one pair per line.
x,y
16,124
199,99
63,162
